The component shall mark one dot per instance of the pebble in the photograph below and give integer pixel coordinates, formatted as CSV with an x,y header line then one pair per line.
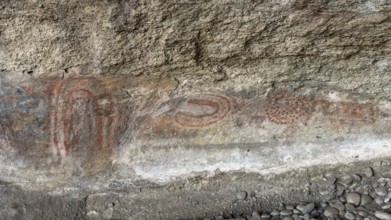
x,y
365,199
330,212
300,207
388,197
350,207
241,195
308,208
339,206
378,200
290,207
381,191
350,216
371,217
368,172
383,215
275,212
256,216
362,213
307,216
386,206
353,198
286,212
266,216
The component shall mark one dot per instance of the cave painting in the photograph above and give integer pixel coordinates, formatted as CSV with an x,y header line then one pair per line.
x,y
202,110
284,107
83,116
78,118
210,117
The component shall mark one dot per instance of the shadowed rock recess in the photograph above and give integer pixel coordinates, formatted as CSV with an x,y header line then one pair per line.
x,y
195,109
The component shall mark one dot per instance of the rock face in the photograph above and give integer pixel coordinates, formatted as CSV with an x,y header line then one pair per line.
x,y
95,96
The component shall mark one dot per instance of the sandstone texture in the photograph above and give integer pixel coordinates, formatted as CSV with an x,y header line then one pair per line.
x,y
103,100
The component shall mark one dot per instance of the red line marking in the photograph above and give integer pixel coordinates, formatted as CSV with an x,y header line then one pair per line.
x,y
220,104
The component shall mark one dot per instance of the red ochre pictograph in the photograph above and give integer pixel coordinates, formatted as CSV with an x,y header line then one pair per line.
x,y
286,108
203,110
76,118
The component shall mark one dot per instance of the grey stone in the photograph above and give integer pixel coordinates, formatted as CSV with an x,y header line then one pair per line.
x,y
363,213
286,212
388,197
266,216
365,199
307,216
386,206
383,215
349,215
290,207
353,198
379,200
300,207
350,207
368,172
330,212
275,212
255,216
241,195
308,208
339,206
381,191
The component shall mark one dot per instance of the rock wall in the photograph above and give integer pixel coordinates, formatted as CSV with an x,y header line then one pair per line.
x,y
96,95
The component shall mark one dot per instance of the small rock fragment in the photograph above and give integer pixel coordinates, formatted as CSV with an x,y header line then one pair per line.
x,y
365,199
368,172
290,207
353,198
386,206
362,213
256,216
349,207
241,195
379,200
381,191
383,215
265,216
388,197
308,208
350,216
330,212
286,212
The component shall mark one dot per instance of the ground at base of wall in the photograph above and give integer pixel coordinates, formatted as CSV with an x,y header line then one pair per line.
x,y
355,191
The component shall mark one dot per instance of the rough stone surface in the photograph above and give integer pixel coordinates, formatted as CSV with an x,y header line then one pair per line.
x,y
144,109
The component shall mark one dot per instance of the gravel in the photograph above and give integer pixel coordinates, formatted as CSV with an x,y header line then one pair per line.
x,y
366,197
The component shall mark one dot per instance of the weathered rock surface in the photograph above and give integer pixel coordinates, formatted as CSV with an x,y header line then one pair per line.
x,y
100,97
